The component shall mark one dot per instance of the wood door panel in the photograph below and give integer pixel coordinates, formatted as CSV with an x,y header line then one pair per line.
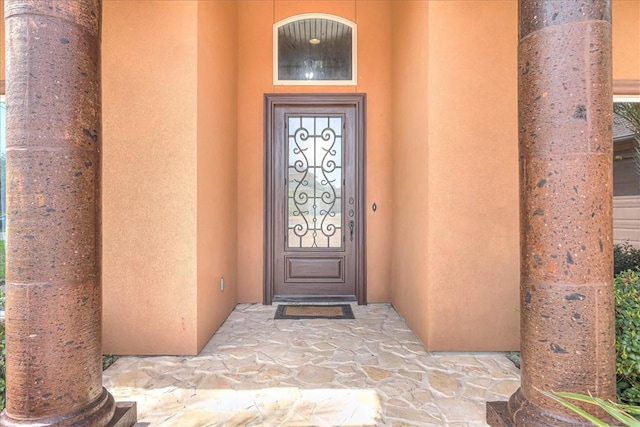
x,y
313,293
313,269
314,196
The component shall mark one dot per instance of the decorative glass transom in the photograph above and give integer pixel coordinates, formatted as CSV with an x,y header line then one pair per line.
x,y
314,49
314,181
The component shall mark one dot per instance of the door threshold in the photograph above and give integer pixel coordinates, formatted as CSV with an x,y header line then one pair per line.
x,y
313,299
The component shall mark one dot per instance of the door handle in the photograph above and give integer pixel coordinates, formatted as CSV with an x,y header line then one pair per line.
x,y
352,224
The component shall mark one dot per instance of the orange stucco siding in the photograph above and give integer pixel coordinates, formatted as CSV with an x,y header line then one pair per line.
x,y
149,77
473,218
216,165
169,181
344,8
626,39
410,152
255,18
183,86
374,79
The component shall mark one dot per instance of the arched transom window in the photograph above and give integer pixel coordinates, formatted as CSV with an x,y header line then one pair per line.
x,y
314,49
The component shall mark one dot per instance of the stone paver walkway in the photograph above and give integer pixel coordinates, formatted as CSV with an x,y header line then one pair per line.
x,y
257,371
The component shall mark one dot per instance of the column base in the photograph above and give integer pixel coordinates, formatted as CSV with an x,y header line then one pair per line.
x,y
519,412
102,412
126,415
498,414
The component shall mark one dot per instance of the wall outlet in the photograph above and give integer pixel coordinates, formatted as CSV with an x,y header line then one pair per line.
x,y
221,284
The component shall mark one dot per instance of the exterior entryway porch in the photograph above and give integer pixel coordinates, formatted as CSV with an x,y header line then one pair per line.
x,y
189,140
257,371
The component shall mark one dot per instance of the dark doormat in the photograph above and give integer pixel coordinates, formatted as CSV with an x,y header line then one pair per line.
x,y
338,311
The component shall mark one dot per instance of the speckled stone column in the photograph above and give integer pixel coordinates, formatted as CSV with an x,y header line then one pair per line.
x,y
565,122
54,302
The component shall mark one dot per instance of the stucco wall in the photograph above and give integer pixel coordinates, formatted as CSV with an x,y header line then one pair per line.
x,y
473,176
626,39
456,234
375,66
410,267
216,163
169,208
149,75
256,19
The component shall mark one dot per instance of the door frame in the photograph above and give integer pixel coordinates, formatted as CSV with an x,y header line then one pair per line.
x,y
273,100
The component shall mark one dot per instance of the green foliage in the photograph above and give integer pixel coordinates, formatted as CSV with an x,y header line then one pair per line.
x,y
625,257
108,360
627,300
624,414
630,114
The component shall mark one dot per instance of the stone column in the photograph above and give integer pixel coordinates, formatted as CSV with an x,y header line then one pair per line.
x,y
565,122
54,301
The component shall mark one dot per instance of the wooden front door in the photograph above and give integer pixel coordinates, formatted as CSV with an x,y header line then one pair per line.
x,y
314,197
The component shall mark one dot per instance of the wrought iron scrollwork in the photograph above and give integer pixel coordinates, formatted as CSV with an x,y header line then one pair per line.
x,y
315,182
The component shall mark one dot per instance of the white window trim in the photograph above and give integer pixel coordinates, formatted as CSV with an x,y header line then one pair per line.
x,y
354,52
626,98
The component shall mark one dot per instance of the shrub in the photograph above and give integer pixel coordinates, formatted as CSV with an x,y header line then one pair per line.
x,y
625,257
627,301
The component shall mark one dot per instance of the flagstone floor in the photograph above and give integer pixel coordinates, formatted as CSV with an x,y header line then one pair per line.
x,y
257,371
